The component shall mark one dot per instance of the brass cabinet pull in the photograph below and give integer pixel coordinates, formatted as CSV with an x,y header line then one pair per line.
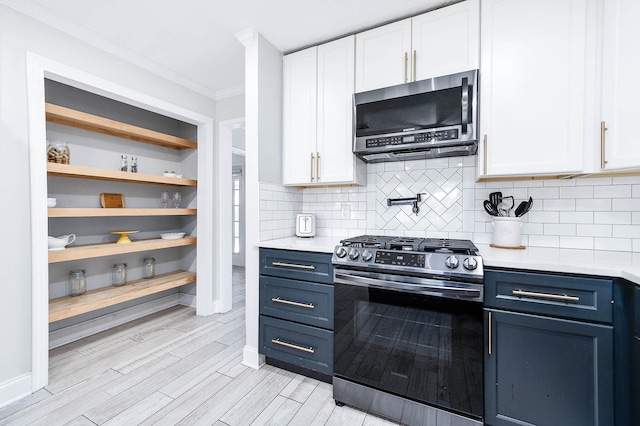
x,y
292,346
603,160
311,169
563,297
292,303
415,58
485,155
490,325
406,67
317,167
293,265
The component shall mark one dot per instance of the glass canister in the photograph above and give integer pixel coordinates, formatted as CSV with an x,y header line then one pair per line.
x,y
77,282
148,267
58,152
119,274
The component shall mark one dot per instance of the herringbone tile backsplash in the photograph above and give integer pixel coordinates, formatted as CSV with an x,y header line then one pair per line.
x,y
593,213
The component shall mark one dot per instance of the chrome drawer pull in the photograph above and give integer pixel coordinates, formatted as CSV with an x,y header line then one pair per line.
x,y
292,346
293,265
289,302
546,296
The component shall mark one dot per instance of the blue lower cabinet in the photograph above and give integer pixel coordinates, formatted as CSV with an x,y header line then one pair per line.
x,y
547,371
297,344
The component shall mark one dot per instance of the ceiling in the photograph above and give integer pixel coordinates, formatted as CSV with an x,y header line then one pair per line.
x,y
192,42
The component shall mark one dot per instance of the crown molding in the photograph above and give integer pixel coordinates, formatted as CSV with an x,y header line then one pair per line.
x,y
87,36
230,92
247,37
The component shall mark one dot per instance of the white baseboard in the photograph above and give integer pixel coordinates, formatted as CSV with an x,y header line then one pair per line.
x,y
78,331
252,358
15,389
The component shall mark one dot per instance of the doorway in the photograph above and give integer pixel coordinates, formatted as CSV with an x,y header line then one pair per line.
x,y
238,214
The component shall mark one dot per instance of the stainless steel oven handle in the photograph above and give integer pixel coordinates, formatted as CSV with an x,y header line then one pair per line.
x,y
426,285
465,104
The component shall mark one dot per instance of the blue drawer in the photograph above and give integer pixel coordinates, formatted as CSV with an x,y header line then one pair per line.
x,y
548,294
300,345
298,265
300,301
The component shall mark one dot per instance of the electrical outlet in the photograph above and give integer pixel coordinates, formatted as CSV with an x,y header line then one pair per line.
x,y
346,211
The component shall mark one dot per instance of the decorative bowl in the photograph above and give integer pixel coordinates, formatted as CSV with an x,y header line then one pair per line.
x,y
169,174
51,202
172,235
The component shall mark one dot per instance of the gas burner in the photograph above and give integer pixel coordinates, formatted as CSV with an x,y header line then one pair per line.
x,y
404,243
366,241
429,245
441,245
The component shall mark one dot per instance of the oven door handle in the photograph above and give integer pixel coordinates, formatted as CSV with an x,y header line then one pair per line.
x,y
422,285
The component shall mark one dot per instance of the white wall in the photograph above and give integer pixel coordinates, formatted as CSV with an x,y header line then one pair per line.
x,y
19,35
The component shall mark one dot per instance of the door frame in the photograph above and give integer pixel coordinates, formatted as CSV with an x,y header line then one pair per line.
x,y
210,193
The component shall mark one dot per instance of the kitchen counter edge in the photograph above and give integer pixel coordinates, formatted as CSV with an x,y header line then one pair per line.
x,y
314,244
573,261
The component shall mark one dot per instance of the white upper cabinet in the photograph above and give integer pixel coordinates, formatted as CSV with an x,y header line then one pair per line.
x,y
536,86
444,41
299,111
620,88
318,116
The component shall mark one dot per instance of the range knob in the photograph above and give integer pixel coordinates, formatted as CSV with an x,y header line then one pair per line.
x,y
341,252
366,255
470,263
353,254
452,262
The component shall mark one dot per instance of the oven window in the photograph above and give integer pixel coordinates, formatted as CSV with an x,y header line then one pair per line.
x,y
423,348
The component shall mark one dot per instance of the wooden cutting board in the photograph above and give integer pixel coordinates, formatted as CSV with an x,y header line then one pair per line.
x,y
111,200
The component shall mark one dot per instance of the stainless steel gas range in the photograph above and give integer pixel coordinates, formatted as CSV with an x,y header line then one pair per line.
x,y
408,329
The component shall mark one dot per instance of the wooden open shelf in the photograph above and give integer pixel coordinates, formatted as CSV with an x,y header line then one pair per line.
x,y
94,123
68,170
118,212
66,307
90,251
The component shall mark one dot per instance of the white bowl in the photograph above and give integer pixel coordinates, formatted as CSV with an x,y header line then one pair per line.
x,y
169,174
51,202
172,235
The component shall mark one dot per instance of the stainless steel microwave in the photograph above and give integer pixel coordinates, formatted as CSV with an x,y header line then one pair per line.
x,y
431,118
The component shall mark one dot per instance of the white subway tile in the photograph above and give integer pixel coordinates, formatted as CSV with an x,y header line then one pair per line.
x,y
559,182
577,243
613,244
559,229
615,218
594,181
576,217
635,191
626,204
544,241
357,196
533,228
558,205
577,192
597,204
594,230
626,180
543,216
626,231
527,184
612,191
635,218
544,193
636,246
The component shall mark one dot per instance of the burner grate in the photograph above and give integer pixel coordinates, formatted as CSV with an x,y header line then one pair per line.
x,y
429,245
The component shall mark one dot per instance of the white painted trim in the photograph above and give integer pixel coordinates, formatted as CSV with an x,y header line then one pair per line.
x,y
230,92
252,358
238,151
81,330
223,176
15,389
38,68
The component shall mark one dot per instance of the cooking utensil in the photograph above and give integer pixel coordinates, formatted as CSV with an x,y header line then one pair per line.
x,y
524,207
495,198
504,206
490,208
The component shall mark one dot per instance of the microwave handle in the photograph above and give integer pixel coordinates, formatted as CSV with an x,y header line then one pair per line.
x,y
465,104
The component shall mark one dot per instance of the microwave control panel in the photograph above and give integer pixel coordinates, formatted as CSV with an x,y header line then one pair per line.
x,y
436,136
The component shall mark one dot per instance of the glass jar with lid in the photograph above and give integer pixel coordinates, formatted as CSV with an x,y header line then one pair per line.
x,y
58,152
148,267
77,282
119,274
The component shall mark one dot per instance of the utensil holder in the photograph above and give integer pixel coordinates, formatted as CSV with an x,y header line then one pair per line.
x,y
507,232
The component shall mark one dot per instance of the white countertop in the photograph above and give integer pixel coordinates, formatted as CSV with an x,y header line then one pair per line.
x,y
317,244
590,262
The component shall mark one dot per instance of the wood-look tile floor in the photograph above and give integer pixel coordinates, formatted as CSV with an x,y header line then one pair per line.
x,y
174,367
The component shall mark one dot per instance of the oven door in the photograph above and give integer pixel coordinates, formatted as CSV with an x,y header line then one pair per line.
x,y
417,346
